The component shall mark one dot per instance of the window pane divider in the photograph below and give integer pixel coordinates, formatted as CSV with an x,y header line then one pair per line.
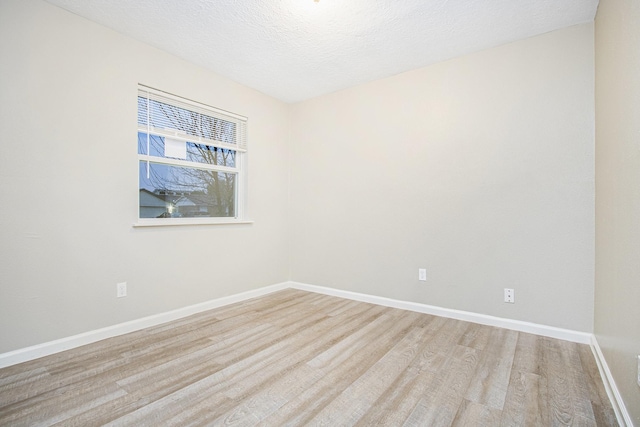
x,y
185,163
189,138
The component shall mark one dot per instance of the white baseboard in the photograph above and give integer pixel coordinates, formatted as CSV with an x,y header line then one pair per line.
x,y
624,419
48,348
483,319
51,347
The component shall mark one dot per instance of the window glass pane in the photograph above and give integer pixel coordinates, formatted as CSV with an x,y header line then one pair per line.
x,y
178,192
199,153
165,116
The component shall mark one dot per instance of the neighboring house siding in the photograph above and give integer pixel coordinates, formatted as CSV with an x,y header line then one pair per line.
x,y
151,205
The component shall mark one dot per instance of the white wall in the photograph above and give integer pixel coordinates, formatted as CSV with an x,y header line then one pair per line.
x,y
68,183
617,292
480,169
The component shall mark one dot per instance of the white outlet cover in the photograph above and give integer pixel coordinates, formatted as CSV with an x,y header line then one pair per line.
x,y
639,370
422,274
121,289
509,295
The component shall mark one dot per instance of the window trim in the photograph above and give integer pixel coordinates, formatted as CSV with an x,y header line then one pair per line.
x,y
162,222
240,168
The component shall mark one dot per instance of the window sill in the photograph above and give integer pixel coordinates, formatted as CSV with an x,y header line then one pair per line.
x,y
167,222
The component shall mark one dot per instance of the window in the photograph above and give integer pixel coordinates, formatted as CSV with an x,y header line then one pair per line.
x,y
191,161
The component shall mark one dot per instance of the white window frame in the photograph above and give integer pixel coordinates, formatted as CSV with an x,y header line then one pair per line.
x,y
240,148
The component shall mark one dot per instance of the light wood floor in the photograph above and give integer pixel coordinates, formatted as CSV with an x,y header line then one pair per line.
x,y
299,358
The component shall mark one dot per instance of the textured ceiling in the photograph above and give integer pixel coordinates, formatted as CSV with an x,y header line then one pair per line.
x,y
297,49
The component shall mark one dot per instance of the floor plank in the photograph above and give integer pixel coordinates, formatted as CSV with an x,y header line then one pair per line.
x,y
299,358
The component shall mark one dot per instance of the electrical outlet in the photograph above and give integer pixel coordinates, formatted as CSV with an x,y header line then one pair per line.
x,y
422,274
639,370
509,295
121,290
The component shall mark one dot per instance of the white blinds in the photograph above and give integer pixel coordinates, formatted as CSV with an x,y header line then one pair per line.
x,y
173,117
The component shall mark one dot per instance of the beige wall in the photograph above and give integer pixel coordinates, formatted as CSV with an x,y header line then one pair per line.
x,y
617,293
480,169
68,183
